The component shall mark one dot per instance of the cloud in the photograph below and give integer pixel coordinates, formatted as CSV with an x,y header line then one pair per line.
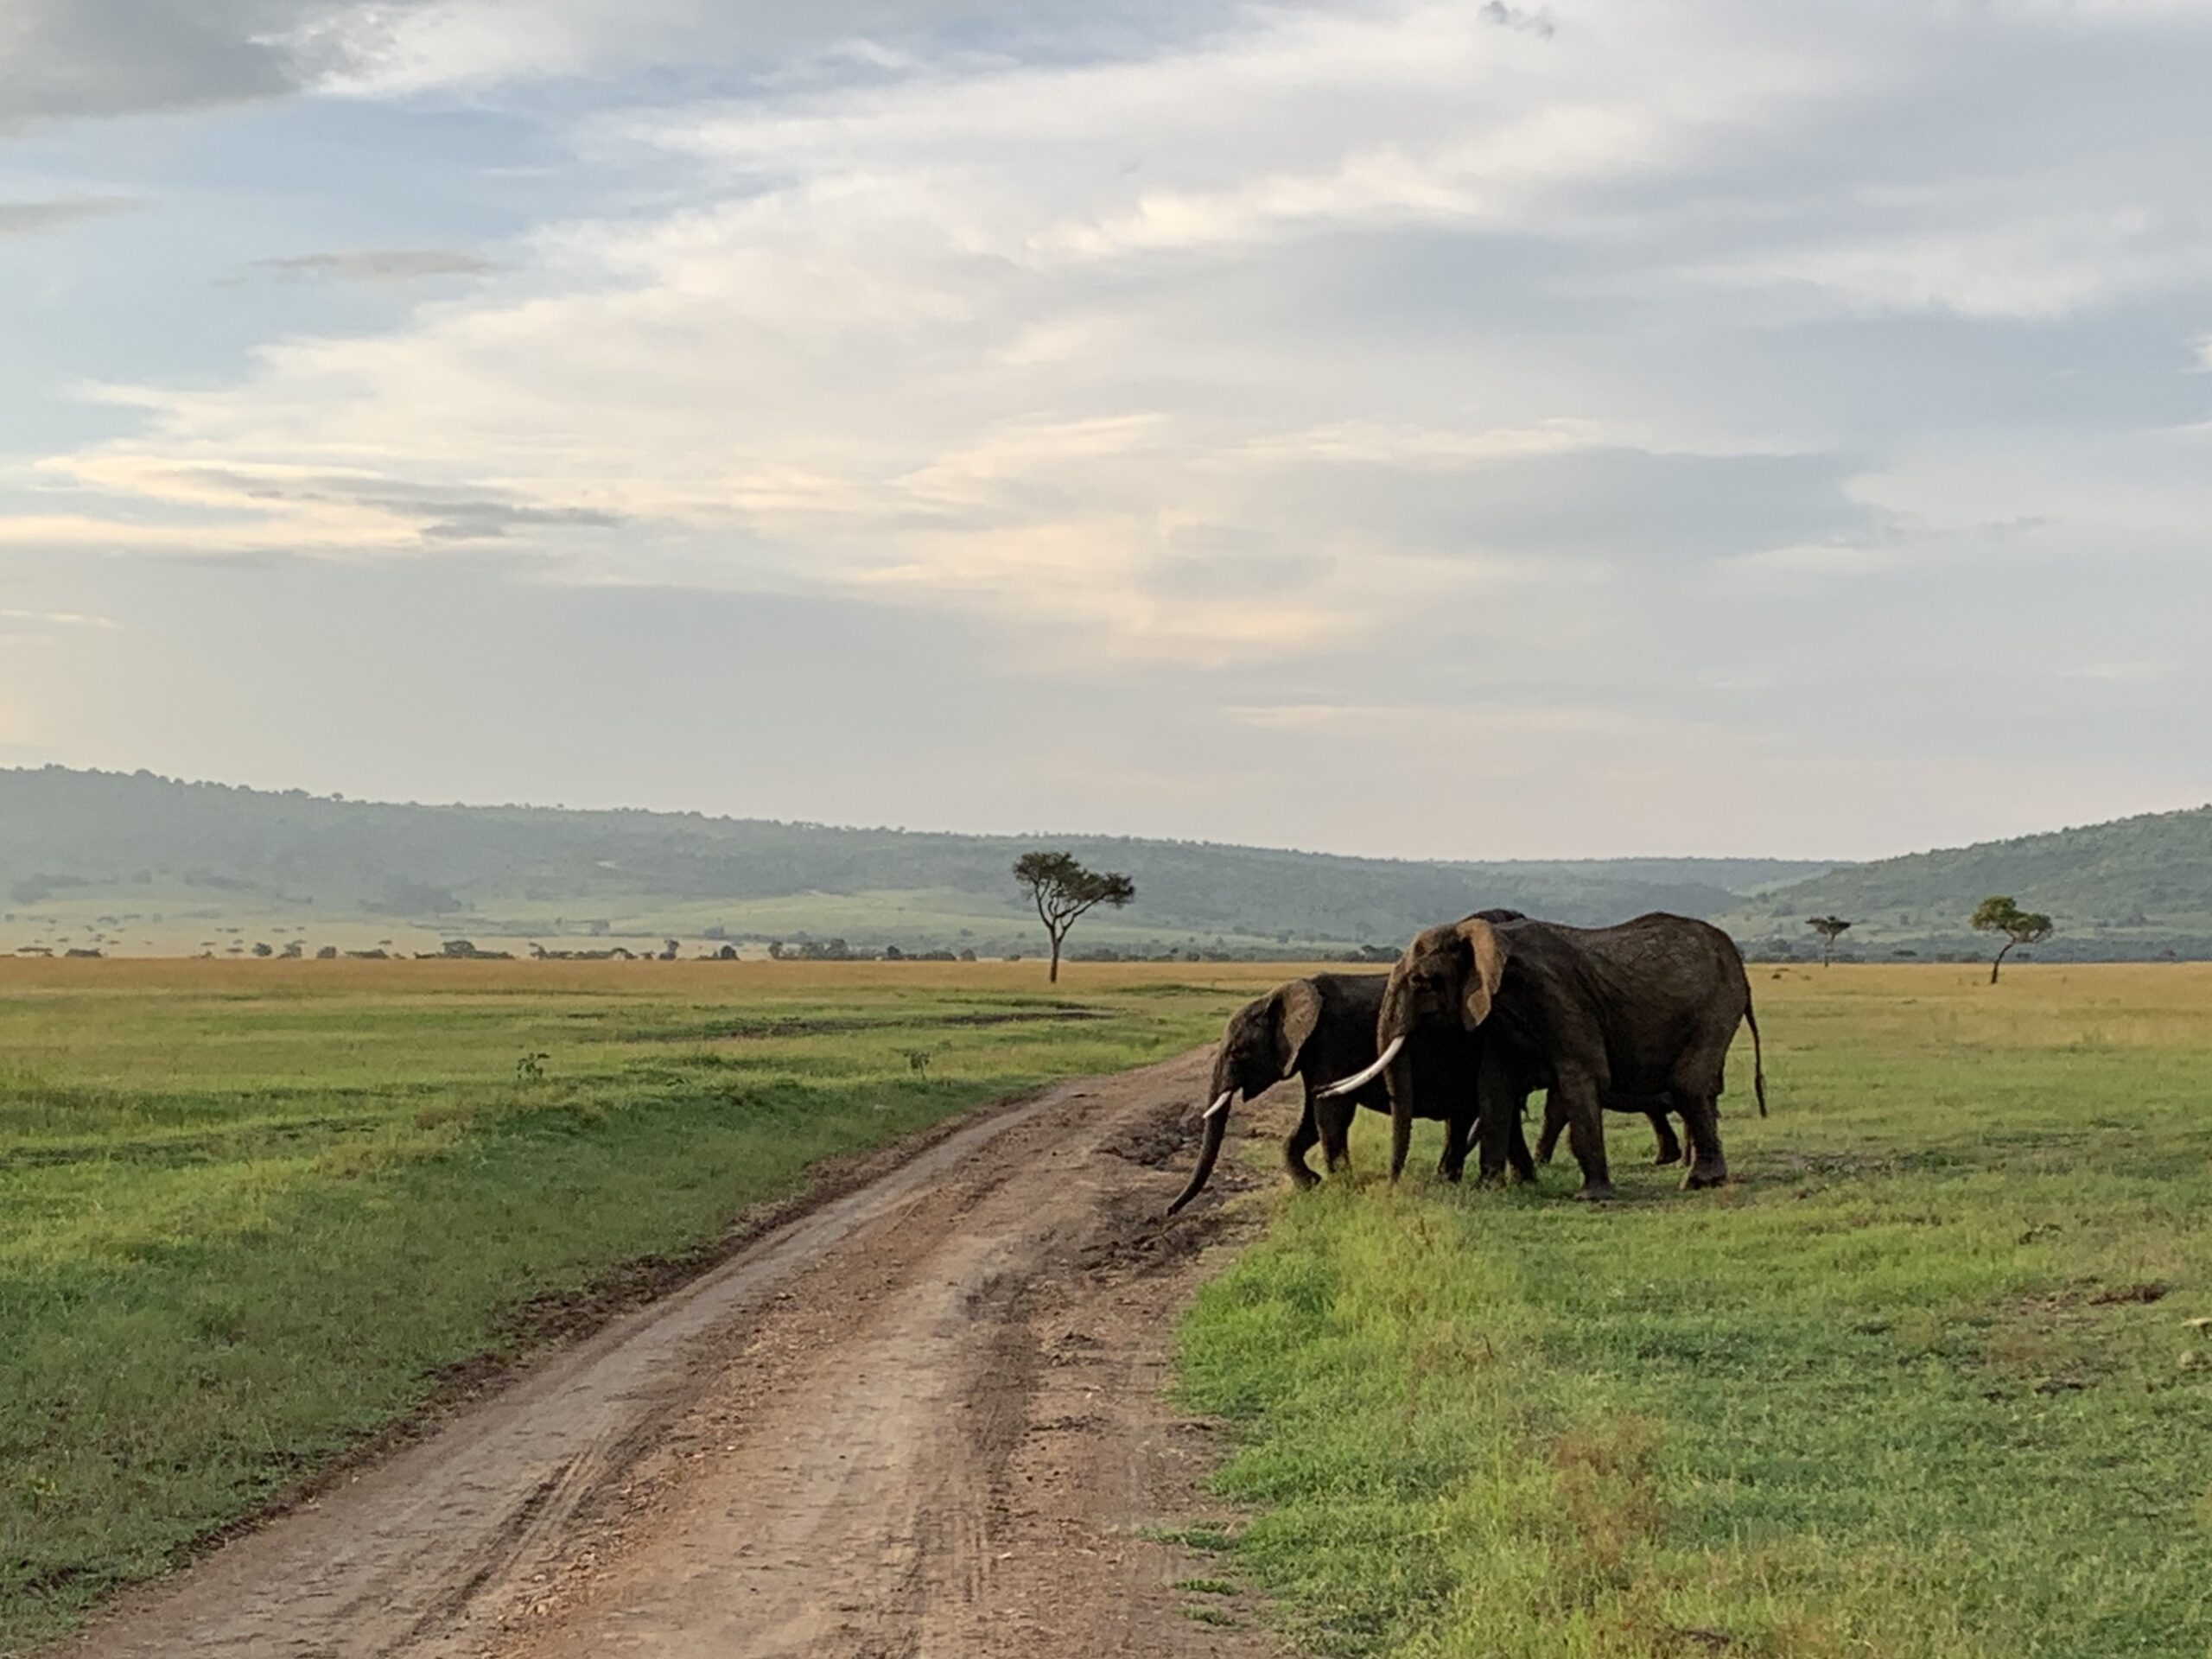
x,y
61,59
56,619
2025,267
1207,336
379,264
1538,22
247,508
909,336
28,217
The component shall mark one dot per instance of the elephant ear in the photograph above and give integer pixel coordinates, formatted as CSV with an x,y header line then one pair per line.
x,y
1487,971
1298,1012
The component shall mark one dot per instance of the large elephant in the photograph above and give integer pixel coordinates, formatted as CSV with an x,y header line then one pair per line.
x,y
1320,1029
1648,1008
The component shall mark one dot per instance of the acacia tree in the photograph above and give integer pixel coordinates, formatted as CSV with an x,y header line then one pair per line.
x,y
1830,928
1999,914
1062,890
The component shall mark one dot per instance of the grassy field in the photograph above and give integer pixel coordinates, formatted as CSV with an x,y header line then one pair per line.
x,y
165,921
1933,1379
250,1212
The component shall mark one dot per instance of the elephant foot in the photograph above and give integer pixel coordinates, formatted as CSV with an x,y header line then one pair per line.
x,y
1302,1177
1667,1155
1596,1192
1703,1175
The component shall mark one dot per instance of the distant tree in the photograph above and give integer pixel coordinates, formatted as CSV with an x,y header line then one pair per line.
x,y
727,953
1999,914
292,949
668,950
263,951
1063,890
1830,928
328,953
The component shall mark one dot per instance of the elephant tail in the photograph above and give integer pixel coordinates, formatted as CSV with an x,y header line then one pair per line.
x,y
1758,1059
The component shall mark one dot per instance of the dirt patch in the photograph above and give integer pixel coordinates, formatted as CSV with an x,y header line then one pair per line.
x,y
923,1416
1172,1138
2121,1295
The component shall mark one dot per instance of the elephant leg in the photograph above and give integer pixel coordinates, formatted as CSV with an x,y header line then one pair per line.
x,y
1708,1165
1334,1120
1299,1141
1554,1121
1579,1092
1669,1150
1516,1152
1452,1164
1499,1098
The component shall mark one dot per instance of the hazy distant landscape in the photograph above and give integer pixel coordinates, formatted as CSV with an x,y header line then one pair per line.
x,y
136,864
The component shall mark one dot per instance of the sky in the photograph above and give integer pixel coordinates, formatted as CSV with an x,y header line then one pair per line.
x,y
1481,431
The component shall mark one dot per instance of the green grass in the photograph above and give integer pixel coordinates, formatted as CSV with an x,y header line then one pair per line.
x,y
1922,1383
250,1212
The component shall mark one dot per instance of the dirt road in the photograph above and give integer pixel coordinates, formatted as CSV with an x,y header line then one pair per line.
x,y
922,1417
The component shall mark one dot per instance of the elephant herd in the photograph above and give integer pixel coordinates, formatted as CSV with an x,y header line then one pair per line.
x,y
1476,1016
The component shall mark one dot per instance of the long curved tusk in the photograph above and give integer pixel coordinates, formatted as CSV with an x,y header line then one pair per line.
x,y
1219,1106
1361,1079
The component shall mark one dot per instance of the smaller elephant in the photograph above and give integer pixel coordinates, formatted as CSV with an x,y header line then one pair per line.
x,y
1320,1029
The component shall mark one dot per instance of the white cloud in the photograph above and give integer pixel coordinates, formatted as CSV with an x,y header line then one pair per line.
x,y
869,350
2024,268
56,619
1816,559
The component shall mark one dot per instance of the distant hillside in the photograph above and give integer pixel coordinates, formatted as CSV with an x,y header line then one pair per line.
x,y
134,863
2135,889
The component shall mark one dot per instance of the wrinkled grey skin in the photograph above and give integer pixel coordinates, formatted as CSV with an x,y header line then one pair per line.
x,y
1318,1030
1644,1010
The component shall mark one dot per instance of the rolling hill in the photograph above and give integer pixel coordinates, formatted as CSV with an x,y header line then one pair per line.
x,y
2137,888
134,863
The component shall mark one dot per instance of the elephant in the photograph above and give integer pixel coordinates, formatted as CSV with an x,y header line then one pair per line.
x,y
1644,1009
1321,1028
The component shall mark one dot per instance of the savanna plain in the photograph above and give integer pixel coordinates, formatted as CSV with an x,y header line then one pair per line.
x,y
1933,1377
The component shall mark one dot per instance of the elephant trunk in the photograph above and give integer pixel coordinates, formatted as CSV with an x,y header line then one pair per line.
x,y
1399,1076
1392,1030
1208,1149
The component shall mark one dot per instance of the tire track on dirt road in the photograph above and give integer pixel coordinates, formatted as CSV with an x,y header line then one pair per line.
x,y
925,1418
